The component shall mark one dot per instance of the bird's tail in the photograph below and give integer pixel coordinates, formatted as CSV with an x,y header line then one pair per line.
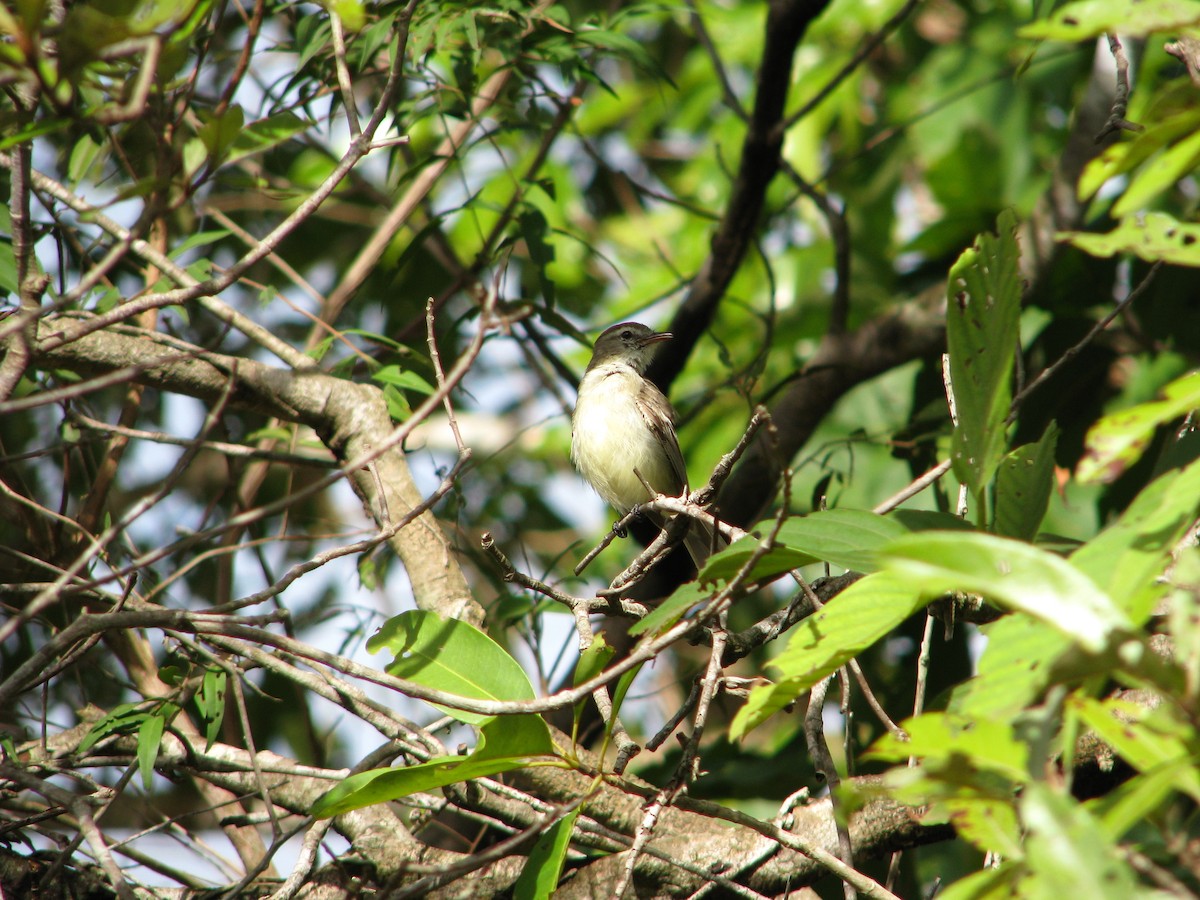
x,y
702,541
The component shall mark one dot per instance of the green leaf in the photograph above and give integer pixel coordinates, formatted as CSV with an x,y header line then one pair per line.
x,y
1145,738
848,538
1067,852
150,734
950,738
505,743
402,378
211,703
83,156
199,239
219,132
591,663
1015,668
998,883
534,228
1086,19
123,719
1118,440
539,877
1126,155
1023,485
261,136
8,269
1134,802
452,656
397,404
839,631
982,329
351,12
1152,237
989,824
1176,162
672,609
593,660
1012,575
1131,553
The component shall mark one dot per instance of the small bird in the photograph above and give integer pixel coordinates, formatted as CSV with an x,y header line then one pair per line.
x,y
623,423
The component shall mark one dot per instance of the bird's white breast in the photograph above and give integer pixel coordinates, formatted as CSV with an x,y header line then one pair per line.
x,y
610,438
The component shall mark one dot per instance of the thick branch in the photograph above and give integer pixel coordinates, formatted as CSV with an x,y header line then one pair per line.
x,y
787,20
351,419
842,362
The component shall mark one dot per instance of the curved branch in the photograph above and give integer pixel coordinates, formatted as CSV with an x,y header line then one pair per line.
x,y
787,21
351,419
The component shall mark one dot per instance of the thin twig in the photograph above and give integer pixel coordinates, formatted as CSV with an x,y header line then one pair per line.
x,y
1073,351
1120,105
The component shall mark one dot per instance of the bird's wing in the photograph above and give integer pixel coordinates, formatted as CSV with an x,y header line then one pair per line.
x,y
657,412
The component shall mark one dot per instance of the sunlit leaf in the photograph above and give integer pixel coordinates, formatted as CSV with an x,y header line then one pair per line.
x,y
1118,440
1152,237
845,626
505,743
1012,575
982,328
1085,19
450,655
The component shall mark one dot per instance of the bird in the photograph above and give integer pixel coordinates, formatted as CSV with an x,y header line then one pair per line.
x,y
623,425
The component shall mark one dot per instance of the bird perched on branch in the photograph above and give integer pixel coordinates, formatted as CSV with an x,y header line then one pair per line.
x,y
624,427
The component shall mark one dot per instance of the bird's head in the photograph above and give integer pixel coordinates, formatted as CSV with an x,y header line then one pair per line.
x,y
631,343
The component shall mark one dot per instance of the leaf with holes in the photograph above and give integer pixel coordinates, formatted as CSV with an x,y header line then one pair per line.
x,y
982,329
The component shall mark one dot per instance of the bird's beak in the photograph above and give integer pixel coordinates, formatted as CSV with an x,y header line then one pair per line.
x,y
656,338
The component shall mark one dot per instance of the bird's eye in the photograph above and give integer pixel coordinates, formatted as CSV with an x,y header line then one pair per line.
x,y
626,334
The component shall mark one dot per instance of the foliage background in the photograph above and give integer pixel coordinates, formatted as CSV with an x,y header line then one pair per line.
x,y
257,254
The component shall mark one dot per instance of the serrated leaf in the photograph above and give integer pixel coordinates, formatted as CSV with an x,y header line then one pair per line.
x,y
982,329
452,656
1013,575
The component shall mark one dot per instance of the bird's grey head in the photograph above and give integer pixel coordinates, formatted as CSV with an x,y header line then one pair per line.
x,y
630,342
